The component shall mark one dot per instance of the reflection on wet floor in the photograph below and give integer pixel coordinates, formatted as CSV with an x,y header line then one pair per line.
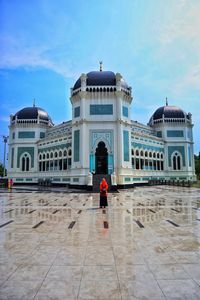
x,y
145,245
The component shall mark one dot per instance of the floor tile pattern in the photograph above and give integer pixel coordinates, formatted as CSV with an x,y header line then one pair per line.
x,y
145,245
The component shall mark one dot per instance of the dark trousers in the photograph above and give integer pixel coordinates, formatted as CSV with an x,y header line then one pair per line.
x,y
103,201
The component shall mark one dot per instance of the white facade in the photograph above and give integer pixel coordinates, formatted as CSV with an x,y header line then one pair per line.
x,y
101,138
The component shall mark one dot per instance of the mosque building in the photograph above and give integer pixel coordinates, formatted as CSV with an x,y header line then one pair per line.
x,y
101,139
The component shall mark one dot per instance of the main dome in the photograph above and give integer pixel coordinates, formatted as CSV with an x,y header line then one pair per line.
x,y
100,78
32,113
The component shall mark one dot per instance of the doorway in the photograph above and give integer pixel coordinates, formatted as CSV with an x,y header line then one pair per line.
x,y
101,156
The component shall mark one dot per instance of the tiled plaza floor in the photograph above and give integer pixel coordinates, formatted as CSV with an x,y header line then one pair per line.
x,y
145,245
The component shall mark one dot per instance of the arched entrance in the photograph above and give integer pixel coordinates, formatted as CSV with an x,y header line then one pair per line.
x,y
101,156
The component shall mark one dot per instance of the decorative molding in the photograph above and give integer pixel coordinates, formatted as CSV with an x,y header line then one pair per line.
x,y
97,136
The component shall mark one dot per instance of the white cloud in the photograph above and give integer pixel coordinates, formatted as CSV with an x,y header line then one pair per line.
x,y
191,80
17,55
179,44
184,23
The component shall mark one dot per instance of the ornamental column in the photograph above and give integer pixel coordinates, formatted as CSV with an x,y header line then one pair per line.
x,y
83,128
83,136
119,133
83,94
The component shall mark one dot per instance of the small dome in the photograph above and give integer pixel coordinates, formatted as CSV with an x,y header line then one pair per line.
x,y
168,112
100,78
31,113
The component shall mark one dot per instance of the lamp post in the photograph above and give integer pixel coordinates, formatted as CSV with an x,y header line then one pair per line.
x,y
5,140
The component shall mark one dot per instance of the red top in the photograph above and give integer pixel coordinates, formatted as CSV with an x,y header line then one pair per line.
x,y
103,185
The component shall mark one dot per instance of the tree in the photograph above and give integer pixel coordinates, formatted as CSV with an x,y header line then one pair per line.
x,y
197,165
1,170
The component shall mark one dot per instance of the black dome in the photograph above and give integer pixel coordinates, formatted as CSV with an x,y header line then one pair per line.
x,y
29,113
168,112
100,78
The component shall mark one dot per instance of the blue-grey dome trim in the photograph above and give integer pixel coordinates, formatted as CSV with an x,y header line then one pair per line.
x,y
168,112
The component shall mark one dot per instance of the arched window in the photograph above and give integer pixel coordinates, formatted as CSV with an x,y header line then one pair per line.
x,y
65,164
43,166
44,156
51,155
25,162
47,155
146,154
141,153
158,155
133,162
176,161
146,164
132,151
56,164
65,153
69,161
137,152
154,155
56,154
137,163
150,154
60,153
141,164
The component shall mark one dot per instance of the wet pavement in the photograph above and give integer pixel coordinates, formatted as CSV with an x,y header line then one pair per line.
x,y
145,245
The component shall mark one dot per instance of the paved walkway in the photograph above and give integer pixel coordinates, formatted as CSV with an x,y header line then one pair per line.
x,y
145,245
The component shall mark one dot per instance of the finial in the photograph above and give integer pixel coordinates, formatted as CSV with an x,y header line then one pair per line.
x,y
34,102
101,63
166,101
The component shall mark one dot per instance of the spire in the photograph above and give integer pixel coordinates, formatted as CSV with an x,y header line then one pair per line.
x,y
166,101
34,102
101,64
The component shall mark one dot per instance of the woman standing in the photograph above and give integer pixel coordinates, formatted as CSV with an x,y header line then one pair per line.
x,y
103,193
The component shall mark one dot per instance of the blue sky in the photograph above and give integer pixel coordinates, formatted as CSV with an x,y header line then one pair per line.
x,y
46,45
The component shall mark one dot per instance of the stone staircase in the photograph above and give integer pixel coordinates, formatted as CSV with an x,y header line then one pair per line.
x,y
97,180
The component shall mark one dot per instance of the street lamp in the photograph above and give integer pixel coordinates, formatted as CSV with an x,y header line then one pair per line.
x,y
5,140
